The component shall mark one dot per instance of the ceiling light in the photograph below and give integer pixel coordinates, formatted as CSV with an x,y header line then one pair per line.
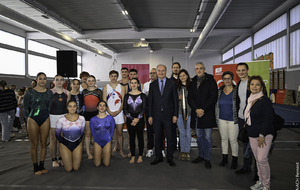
x,y
151,50
186,47
124,12
192,30
143,39
45,16
104,48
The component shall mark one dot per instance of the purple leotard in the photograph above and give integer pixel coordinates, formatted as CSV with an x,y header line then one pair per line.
x,y
102,129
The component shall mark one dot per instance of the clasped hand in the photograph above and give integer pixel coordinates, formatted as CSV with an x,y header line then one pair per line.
x,y
200,112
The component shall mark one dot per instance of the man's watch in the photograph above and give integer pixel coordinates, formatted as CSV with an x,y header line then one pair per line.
x,y
261,135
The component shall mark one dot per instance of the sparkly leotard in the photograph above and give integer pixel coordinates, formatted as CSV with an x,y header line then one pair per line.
x,y
102,129
91,99
79,101
37,105
72,131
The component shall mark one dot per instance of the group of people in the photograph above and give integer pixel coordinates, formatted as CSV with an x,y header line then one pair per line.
x,y
162,103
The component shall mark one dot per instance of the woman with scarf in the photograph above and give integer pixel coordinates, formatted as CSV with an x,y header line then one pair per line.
x,y
259,118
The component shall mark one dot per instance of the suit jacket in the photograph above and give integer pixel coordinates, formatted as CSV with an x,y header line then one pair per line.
x,y
168,101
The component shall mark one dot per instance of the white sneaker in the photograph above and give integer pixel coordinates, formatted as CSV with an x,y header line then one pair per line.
x,y
163,153
149,153
257,186
265,188
15,129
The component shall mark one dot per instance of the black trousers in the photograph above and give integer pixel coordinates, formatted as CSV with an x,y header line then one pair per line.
x,y
137,130
160,123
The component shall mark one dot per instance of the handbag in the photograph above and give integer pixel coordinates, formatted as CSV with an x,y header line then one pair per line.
x,y
243,134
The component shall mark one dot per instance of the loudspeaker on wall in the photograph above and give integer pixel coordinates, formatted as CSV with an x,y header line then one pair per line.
x,y
66,63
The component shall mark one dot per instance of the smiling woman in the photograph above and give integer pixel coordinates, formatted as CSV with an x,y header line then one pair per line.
x,y
69,132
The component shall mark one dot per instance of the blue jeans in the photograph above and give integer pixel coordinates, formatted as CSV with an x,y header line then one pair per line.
x,y
184,134
204,140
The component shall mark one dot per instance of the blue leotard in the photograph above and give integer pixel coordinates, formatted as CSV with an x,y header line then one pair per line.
x,y
102,129
72,131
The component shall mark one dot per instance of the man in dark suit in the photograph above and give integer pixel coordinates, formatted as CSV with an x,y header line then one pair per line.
x,y
163,113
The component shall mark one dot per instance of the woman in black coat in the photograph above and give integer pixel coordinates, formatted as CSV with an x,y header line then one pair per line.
x,y
259,118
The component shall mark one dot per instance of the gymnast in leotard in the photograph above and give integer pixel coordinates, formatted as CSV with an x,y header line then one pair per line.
x,y
134,109
59,108
69,132
102,127
38,100
91,96
76,95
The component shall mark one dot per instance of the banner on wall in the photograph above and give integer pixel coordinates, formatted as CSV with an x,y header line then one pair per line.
x,y
261,68
143,71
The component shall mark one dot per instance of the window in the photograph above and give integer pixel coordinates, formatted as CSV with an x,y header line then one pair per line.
x,y
227,55
78,70
38,64
78,59
244,58
295,15
278,48
271,29
11,39
12,62
295,48
42,48
243,45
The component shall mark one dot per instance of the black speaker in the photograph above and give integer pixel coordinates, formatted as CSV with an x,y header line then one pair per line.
x,y
66,63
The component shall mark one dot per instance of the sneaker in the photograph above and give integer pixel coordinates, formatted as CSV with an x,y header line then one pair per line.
x,y
242,171
149,153
15,129
265,188
257,186
187,156
181,155
12,135
23,132
163,153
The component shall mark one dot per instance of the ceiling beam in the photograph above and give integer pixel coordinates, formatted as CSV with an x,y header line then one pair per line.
x,y
153,33
13,15
127,16
34,4
213,19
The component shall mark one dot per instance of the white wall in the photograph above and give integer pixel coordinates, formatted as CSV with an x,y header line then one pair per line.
x,y
100,66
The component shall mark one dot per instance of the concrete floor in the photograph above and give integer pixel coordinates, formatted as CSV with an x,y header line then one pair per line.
x,y
16,171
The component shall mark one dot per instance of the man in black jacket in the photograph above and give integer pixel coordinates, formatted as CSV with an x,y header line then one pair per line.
x,y
163,113
202,97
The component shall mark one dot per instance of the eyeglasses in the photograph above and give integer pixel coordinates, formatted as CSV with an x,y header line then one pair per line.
x,y
226,79
152,73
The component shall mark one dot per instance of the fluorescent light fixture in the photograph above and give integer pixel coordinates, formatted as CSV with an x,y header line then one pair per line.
x,y
186,47
192,30
143,39
151,50
126,13
123,12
